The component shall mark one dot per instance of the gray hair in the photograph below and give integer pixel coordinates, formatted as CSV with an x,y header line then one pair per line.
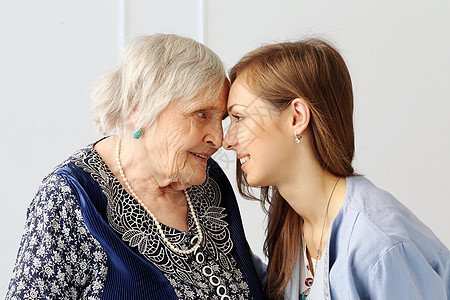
x,y
154,71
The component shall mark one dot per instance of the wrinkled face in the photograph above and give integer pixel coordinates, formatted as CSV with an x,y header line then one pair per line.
x,y
186,135
255,134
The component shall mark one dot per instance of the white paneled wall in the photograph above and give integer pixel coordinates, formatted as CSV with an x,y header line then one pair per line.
x,y
52,51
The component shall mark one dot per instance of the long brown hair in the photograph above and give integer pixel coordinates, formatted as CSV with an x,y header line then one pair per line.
x,y
313,70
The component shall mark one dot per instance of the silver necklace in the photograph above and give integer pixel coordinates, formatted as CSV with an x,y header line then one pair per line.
x,y
325,219
158,225
309,281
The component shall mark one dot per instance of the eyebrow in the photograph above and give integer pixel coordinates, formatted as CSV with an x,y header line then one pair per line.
x,y
207,108
231,107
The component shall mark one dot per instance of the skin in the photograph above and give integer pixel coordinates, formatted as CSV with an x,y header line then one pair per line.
x,y
276,160
161,164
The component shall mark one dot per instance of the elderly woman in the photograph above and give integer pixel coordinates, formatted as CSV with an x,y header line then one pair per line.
x,y
145,213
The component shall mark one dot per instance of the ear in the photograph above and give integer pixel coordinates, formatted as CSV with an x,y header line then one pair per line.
x,y
132,116
300,115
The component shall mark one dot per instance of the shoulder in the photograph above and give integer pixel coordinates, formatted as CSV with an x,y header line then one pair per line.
x,y
57,250
362,195
55,213
377,242
54,194
56,208
54,197
77,156
380,222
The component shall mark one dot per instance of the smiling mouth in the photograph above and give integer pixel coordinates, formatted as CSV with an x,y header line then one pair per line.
x,y
244,159
198,155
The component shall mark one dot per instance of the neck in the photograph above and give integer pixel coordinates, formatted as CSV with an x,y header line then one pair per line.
x,y
306,186
145,171
308,195
166,201
142,173
317,198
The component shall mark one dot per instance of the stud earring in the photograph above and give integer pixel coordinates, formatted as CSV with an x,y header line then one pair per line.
x,y
298,138
137,133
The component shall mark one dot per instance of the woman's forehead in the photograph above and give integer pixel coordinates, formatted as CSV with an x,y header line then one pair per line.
x,y
240,94
203,103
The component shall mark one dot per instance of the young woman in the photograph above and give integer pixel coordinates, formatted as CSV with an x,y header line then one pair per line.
x,y
331,233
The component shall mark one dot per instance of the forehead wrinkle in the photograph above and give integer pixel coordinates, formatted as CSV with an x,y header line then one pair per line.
x,y
209,108
203,104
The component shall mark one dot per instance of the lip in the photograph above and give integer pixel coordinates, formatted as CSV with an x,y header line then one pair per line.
x,y
239,156
245,164
200,158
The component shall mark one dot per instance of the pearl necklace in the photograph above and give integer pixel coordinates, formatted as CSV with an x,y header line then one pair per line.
x,y
158,225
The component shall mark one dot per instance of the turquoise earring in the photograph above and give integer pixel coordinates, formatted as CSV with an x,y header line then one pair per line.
x,y
137,133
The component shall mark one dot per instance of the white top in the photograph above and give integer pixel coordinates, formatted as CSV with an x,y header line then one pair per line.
x,y
302,276
306,276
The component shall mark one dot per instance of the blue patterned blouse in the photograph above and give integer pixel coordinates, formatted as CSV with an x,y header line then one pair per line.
x,y
87,238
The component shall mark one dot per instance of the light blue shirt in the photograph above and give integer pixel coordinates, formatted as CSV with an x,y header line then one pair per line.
x,y
378,249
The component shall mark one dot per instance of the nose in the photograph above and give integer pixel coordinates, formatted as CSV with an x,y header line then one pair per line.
x,y
230,140
214,134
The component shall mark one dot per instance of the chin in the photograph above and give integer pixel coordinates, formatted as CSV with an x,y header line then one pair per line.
x,y
199,181
252,181
257,182
196,178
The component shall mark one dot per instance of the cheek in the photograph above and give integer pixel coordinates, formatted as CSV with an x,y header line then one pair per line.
x,y
176,138
256,137
173,154
178,157
172,151
193,139
269,151
247,135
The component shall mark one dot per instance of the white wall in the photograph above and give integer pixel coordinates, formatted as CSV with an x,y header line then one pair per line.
x,y
398,55
52,50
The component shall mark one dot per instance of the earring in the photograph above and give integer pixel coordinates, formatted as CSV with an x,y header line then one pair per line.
x,y
137,133
298,138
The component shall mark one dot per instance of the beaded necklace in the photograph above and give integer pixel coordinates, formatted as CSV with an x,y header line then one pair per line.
x,y
155,221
